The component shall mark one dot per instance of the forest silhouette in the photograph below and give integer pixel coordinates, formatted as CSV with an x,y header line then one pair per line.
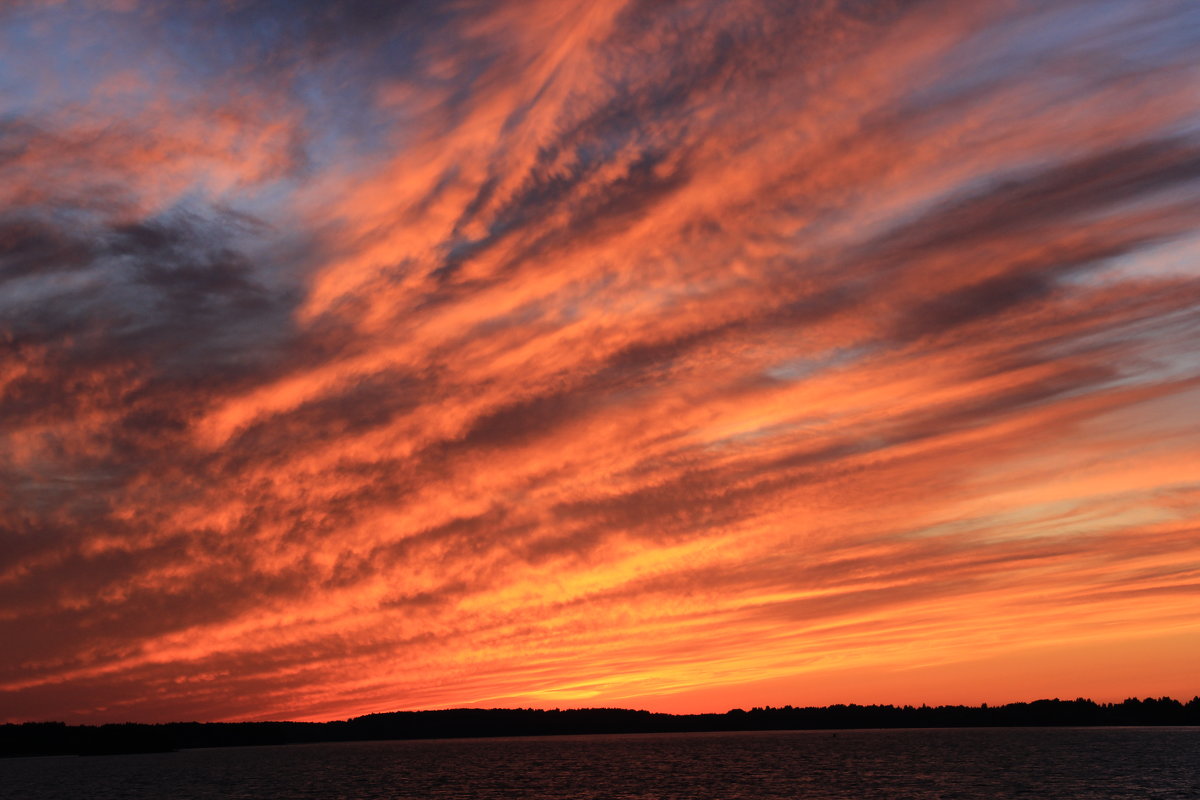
x,y
58,738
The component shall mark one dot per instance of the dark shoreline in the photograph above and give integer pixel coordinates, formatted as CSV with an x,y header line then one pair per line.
x,y
57,738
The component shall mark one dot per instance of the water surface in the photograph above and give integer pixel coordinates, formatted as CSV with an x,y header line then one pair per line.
x,y
1041,763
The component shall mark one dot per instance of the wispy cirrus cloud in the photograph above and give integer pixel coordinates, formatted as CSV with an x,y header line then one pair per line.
x,y
361,357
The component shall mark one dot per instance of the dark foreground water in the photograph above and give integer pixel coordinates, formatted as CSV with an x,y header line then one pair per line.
x,y
1041,763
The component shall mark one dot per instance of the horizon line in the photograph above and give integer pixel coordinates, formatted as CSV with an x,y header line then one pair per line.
x,y
982,706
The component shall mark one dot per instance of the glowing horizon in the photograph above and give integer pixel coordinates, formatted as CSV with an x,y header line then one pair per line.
x,y
365,356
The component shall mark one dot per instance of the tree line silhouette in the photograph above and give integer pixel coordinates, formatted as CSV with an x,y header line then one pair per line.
x,y
57,738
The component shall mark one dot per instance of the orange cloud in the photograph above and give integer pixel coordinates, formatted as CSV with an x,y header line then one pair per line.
x,y
620,353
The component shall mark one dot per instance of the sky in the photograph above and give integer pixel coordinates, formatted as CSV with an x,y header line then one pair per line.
x,y
672,354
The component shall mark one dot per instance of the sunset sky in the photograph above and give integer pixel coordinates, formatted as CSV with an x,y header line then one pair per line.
x,y
672,354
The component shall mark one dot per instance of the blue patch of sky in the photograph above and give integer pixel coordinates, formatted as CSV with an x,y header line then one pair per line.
x,y
796,369
60,56
1165,347
332,78
1065,49
1129,35
18,46
1178,257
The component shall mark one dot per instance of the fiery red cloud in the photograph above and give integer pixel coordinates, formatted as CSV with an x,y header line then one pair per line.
x,y
359,356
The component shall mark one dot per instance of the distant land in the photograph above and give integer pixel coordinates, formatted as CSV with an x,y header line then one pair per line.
x,y
57,738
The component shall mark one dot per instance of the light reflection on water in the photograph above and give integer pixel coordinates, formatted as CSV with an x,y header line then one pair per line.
x,y
1047,764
